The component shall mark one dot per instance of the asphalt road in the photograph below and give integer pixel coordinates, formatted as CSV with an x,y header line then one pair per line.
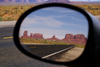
x,y
6,32
10,56
45,51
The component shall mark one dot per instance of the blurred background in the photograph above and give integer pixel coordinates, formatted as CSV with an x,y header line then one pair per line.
x,y
10,11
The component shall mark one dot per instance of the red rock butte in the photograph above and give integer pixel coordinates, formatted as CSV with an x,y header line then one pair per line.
x,y
53,38
36,35
25,35
69,38
75,39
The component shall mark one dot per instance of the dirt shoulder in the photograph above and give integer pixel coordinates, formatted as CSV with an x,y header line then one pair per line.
x,y
7,23
70,55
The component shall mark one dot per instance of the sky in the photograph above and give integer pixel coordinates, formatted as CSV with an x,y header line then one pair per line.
x,y
48,0
84,0
56,21
44,0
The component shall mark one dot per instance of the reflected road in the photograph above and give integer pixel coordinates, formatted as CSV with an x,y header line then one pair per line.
x,y
45,51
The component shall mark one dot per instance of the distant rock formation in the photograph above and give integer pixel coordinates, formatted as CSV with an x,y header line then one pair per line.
x,y
49,1
53,38
69,38
59,1
75,39
38,36
25,35
23,1
80,38
31,35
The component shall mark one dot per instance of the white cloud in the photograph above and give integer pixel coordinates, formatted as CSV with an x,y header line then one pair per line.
x,y
40,20
68,11
77,25
79,19
60,16
50,22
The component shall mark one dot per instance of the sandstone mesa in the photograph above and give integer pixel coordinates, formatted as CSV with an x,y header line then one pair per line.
x,y
69,38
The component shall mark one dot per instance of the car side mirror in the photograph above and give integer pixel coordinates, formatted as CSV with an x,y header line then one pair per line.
x,y
58,33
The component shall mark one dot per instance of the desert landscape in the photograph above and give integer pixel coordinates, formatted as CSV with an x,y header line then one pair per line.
x,y
79,39
13,12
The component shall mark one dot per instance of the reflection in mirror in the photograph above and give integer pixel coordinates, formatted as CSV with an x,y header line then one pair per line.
x,y
54,33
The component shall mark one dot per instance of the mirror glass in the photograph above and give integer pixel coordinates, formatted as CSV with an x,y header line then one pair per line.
x,y
54,33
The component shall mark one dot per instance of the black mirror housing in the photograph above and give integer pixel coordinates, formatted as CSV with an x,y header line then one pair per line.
x,y
91,54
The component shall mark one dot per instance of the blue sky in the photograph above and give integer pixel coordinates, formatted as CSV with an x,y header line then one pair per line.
x,y
55,21
84,0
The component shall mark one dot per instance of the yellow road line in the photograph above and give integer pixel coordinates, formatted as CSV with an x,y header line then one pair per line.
x,y
7,37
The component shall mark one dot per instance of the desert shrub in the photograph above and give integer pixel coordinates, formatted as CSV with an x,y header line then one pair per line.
x,y
0,18
18,10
